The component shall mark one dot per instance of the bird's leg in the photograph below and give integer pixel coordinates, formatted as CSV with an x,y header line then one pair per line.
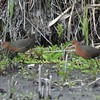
x,y
31,53
25,57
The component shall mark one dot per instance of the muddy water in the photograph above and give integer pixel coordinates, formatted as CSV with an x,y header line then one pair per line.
x,y
25,85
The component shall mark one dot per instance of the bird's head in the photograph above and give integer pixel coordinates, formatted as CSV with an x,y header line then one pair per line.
x,y
5,44
74,42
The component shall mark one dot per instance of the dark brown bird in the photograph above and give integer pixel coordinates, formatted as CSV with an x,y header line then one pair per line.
x,y
20,46
85,51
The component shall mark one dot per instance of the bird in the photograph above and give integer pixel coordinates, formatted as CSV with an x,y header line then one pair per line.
x,y
18,46
84,51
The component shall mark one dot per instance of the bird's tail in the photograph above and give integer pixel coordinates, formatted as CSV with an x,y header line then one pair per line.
x,y
98,47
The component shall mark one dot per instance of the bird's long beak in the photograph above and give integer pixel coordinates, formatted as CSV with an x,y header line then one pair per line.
x,y
71,46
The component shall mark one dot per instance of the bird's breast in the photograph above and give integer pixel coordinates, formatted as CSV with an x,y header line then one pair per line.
x,y
80,52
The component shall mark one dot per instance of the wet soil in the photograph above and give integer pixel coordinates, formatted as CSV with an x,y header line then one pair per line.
x,y
23,84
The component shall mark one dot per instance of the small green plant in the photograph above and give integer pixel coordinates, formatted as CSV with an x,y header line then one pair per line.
x,y
96,97
28,73
27,96
53,54
85,23
11,9
39,52
3,63
90,66
59,29
48,4
12,86
61,71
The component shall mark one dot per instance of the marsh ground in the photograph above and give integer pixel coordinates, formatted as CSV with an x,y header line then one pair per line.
x,y
23,84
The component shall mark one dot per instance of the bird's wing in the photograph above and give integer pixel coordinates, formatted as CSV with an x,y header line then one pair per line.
x,y
22,45
90,51
19,43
